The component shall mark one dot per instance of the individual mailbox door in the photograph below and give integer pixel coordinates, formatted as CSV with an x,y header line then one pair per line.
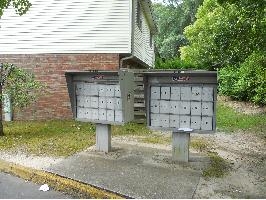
x,y
102,90
206,123
102,114
80,113
195,108
110,103
87,113
196,93
94,102
207,108
165,92
184,108
185,93
164,106
87,101
79,89
118,116
110,91
184,121
94,114
164,120
174,107
118,103
207,94
102,102
87,89
155,120
174,121
155,92
80,101
110,115
155,106
195,122
117,91
175,93
93,90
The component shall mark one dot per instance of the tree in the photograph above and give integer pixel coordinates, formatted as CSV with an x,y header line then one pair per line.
x,y
20,85
171,18
20,6
225,33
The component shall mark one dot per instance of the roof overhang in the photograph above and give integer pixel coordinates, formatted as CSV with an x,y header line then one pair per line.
x,y
147,7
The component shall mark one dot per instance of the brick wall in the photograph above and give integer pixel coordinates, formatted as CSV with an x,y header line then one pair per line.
x,y
49,69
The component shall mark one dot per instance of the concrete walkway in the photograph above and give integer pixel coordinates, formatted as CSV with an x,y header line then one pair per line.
x,y
134,171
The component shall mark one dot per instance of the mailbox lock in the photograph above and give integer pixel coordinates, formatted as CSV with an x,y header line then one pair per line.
x,y
128,96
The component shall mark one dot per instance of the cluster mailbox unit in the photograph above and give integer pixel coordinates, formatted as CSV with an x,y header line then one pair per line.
x,y
181,102
104,98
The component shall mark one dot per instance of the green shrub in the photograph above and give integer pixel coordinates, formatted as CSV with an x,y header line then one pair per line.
x,y
175,63
248,82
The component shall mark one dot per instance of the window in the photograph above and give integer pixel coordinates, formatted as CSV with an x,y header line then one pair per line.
x,y
151,38
139,20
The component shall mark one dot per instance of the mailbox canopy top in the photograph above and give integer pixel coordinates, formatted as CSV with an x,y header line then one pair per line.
x,y
84,72
182,76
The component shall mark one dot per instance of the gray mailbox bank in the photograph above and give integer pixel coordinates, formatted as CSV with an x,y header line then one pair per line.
x,y
182,102
104,98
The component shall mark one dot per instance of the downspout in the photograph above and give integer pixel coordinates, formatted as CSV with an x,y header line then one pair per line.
x,y
132,35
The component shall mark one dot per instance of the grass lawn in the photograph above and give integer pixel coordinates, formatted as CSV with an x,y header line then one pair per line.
x,y
64,138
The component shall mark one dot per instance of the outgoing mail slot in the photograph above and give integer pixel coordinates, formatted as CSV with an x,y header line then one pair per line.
x,y
195,108
102,102
185,93
155,92
110,92
164,106
155,106
175,107
164,120
207,108
184,107
175,93
206,123
195,122
174,121
196,93
165,92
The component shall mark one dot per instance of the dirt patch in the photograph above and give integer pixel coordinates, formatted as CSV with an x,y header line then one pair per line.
x,y
241,106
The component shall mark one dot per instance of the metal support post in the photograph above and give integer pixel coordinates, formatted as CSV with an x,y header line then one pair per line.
x,y
180,146
103,137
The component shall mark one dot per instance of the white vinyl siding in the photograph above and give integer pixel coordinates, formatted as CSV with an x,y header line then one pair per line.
x,y
68,26
142,48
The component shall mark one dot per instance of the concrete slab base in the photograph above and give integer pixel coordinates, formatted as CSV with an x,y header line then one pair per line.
x,y
134,171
